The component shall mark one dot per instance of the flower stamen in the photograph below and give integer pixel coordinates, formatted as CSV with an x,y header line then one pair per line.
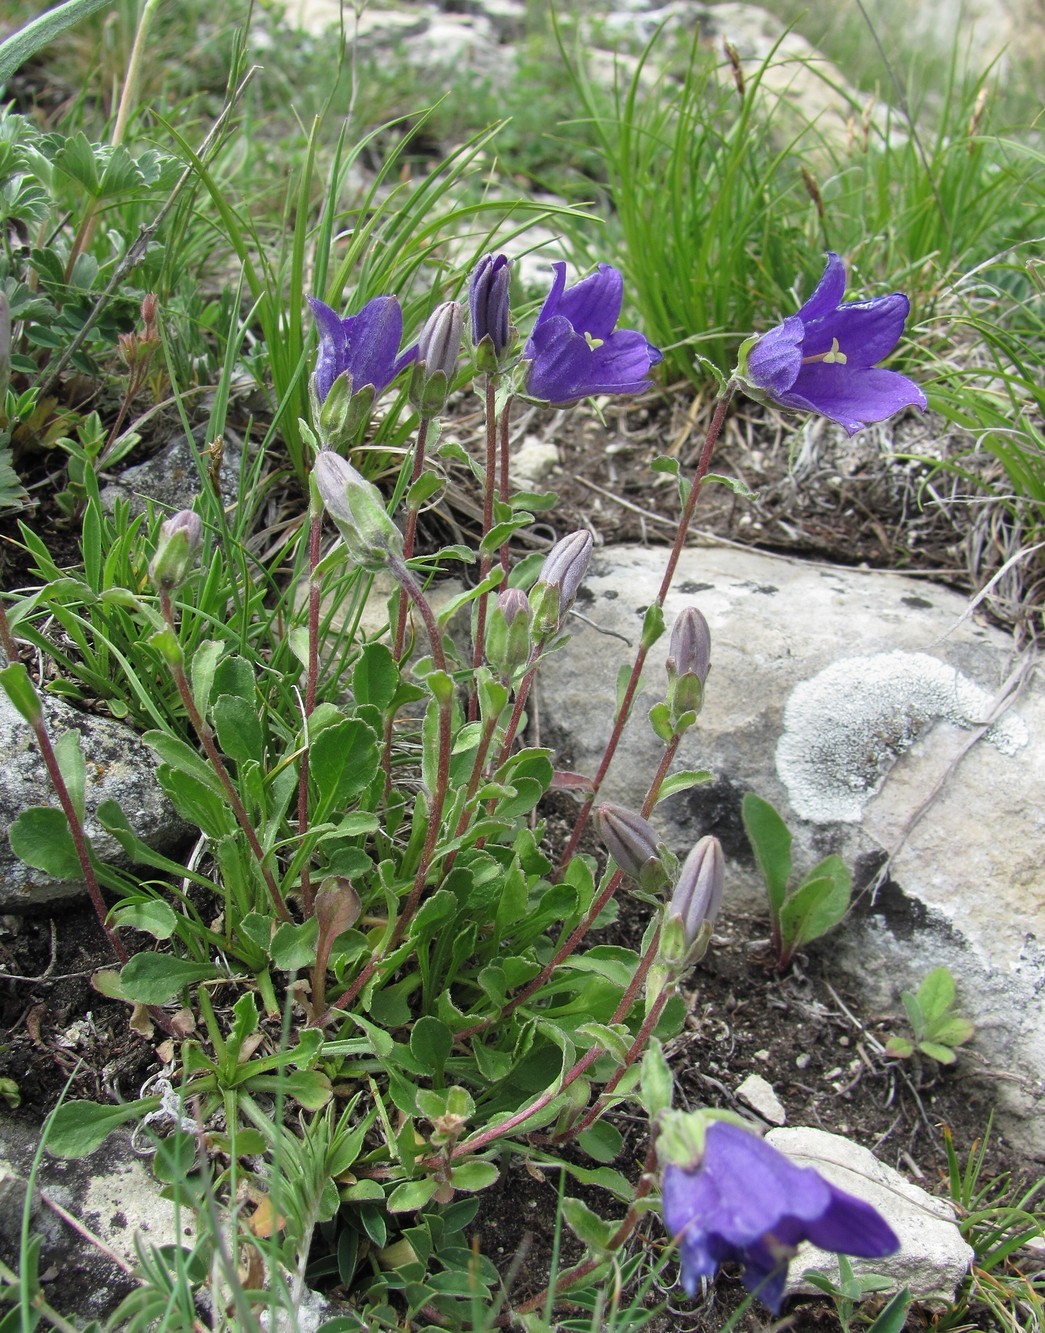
x,y
832,358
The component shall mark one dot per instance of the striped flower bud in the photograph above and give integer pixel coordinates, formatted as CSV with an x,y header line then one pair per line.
x,y
694,905
559,581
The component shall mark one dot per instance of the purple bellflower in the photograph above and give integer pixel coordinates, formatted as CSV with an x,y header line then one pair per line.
x,y
742,1200
576,350
365,345
824,358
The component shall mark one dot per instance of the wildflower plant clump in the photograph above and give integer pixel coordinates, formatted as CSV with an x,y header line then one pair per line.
x,y
376,987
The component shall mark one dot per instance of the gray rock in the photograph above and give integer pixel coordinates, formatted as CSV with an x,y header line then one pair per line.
x,y
963,829
758,1093
119,768
932,1258
171,479
112,1193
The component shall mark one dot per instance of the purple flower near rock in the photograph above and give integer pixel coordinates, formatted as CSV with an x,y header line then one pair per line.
x,y
743,1201
576,349
824,359
366,345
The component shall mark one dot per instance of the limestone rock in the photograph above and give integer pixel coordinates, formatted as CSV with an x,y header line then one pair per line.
x,y
964,888
932,1258
120,767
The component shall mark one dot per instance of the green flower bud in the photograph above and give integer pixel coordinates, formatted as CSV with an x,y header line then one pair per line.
x,y
181,537
356,508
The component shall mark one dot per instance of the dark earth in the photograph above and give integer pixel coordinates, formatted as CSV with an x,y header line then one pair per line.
x,y
834,500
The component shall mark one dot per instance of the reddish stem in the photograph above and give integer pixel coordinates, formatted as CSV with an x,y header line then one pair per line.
x,y
710,440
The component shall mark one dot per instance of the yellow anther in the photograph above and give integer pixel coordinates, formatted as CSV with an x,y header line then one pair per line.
x,y
593,342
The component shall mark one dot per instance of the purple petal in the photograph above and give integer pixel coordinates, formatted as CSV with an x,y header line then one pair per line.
x,y
332,345
828,292
593,304
373,341
866,331
852,398
551,301
775,360
565,367
851,1226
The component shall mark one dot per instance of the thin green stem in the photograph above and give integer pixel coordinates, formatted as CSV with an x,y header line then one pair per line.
x,y
623,713
505,487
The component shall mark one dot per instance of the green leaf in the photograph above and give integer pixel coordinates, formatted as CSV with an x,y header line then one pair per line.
x,y
41,838
77,1128
411,1195
771,842
197,802
184,759
15,682
235,675
658,1086
899,1048
475,1175
934,1051
34,36
69,753
936,993
915,1016
239,728
430,1043
594,1231
376,676
204,664
893,1318
682,781
812,910
652,625
951,1031
293,945
343,761
155,978
151,915
77,158
602,1141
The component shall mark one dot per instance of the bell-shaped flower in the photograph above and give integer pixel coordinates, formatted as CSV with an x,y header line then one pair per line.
x,y
825,358
576,349
366,345
729,1196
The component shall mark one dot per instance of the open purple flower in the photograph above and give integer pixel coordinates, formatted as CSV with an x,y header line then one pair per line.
x,y
365,345
576,350
742,1200
823,359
